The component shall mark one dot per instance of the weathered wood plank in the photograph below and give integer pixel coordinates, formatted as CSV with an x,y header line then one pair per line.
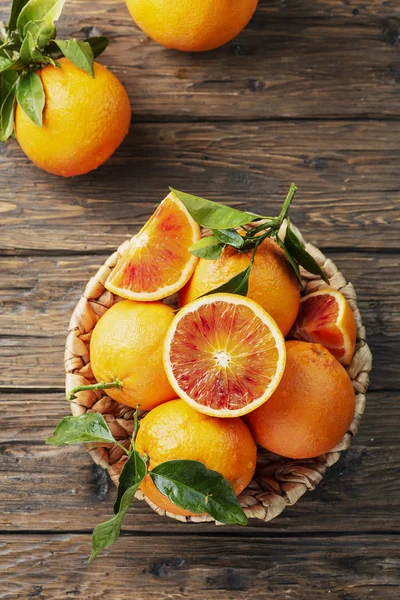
x,y
347,174
202,568
291,61
60,489
40,293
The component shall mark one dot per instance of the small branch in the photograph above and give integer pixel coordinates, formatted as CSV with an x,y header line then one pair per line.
x,y
287,203
102,385
136,426
122,447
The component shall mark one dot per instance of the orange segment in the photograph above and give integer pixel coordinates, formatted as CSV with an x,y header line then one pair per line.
x,y
325,317
224,355
157,262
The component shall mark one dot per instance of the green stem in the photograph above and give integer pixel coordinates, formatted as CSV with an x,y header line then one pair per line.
x,y
136,426
268,225
102,385
287,203
122,447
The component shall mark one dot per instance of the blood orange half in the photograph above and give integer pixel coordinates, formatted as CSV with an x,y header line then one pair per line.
x,y
325,317
224,355
157,262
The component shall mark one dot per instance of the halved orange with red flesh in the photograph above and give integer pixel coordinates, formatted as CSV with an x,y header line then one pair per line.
x,y
325,317
157,262
224,355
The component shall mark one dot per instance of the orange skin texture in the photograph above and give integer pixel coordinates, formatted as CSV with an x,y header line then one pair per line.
x,y
85,119
175,431
127,344
272,283
325,317
311,409
192,25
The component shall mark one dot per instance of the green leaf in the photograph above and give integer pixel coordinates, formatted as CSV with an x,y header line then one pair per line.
x,y
237,285
134,472
230,237
90,427
7,80
208,247
98,45
190,485
79,53
300,254
108,532
7,114
39,10
30,96
7,64
42,31
16,7
29,53
290,258
212,214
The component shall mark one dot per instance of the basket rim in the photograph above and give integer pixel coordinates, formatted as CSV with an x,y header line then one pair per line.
x,y
278,481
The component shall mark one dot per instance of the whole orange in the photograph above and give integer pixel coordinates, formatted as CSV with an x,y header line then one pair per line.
x,y
175,431
127,344
85,119
312,407
192,25
272,283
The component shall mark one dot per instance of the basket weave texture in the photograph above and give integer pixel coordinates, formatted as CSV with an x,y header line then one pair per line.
x,y
278,482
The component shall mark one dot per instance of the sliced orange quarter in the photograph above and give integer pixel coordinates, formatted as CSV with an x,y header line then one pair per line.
x,y
157,262
224,355
325,317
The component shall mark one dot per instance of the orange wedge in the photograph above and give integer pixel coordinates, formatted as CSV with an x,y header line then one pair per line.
x,y
224,355
325,317
157,262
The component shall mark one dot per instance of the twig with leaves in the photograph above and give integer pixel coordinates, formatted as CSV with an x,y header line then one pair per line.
x,y
230,227
187,483
27,44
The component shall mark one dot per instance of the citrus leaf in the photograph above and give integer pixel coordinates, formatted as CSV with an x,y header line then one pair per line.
x,y
7,114
7,64
30,96
29,53
230,237
98,45
90,427
16,7
191,486
300,254
239,284
42,31
212,214
108,532
39,10
79,53
290,258
134,472
208,247
7,80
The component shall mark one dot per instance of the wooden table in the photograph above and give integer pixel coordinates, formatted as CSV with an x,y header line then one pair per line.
x,y
310,92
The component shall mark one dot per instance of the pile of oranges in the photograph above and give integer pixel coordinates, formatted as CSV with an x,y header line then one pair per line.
x,y
217,374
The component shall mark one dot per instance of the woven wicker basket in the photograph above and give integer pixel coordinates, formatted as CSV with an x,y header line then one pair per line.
x,y
278,482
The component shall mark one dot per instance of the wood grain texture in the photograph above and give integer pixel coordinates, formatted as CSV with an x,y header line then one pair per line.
x,y
293,60
347,174
67,492
39,294
290,99
202,568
